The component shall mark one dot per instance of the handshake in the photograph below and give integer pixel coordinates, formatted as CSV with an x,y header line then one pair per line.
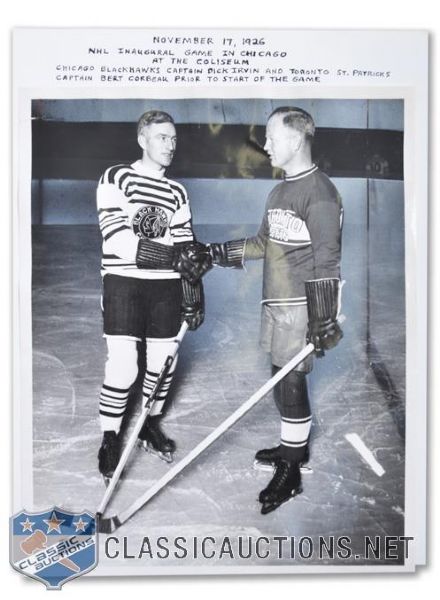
x,y
191,259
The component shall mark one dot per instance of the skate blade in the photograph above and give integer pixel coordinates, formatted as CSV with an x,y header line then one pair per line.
x,y
270,468
165,456
268,507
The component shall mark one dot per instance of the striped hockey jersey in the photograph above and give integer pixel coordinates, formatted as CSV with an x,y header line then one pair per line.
x,y
299,237
133,203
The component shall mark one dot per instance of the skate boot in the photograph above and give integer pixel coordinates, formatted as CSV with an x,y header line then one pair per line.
x,y
152,439
285,484
108,455
265,460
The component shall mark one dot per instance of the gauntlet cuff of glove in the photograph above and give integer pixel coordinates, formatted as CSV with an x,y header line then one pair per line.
x,y
322,300
192,294
153,255
193,304
229,254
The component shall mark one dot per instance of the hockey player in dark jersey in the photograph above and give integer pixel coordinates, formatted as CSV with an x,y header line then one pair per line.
x,y
150,269
300,242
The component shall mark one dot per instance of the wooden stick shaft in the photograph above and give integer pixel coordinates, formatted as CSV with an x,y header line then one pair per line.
x,y
214,435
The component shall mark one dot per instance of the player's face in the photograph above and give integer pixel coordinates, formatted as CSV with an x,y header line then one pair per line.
x,y
158,141
281,142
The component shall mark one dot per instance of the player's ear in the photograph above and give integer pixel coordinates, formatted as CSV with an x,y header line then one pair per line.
x,y
142,141
297,141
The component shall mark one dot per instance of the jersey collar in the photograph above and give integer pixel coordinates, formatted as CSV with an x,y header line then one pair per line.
x,y
151,173
312,169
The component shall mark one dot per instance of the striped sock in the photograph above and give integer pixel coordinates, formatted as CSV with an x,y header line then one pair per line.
x,y
294,437
112,404
149,382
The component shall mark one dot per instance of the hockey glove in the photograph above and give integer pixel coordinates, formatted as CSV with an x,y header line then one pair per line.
x,y
192,260
229,254
193,304
322,307
153,255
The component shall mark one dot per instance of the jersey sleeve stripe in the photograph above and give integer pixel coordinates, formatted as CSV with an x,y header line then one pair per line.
x,y
103,219
110,174
111,209
186,224
112,233
108,218
111,226
180,190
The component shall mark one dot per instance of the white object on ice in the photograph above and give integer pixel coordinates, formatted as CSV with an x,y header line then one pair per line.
x,y
366,454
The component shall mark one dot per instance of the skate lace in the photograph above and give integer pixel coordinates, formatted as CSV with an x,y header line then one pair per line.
x,y
280,475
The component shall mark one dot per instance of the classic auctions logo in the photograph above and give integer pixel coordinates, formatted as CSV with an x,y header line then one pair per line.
x,y
53,546
150,222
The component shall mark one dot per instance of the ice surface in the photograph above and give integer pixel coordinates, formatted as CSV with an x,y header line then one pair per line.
x,y
220,366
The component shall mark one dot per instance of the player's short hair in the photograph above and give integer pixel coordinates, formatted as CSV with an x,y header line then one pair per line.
x,y
297,119
153,116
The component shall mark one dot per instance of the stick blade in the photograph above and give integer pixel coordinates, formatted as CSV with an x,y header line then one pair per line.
x,y
108,525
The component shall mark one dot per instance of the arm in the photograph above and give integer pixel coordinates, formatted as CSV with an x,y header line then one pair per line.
x,y
181,222
235,252
324,222
256,245
118,236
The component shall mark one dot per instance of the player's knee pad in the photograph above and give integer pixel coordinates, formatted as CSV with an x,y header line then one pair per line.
x,y
121,368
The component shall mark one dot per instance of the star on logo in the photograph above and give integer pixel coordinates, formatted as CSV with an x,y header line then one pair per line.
x,y
53,523
80,525
27,525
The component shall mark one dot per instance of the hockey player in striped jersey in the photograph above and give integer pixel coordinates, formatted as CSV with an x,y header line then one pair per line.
x,y
300,242
151,268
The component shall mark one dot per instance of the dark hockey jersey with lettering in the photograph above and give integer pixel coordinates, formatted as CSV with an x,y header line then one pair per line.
x,y
299,237
132,204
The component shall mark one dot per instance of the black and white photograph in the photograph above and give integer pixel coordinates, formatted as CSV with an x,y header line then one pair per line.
x,y
220,307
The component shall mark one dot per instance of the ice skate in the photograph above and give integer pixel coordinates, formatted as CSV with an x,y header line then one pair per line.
x,y
265,460
153,440
108,455
284,485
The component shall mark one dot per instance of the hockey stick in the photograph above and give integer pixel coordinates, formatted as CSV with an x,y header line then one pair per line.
x,y
108,525
138,426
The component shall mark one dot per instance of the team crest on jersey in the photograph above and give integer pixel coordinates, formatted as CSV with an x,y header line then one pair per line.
x,y
53,546
150,222
286,227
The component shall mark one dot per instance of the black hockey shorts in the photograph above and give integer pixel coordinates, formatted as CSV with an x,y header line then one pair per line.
x,y
141,308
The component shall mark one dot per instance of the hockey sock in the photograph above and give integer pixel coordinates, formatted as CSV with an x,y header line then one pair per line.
x,y
157,352
120,373
296,419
